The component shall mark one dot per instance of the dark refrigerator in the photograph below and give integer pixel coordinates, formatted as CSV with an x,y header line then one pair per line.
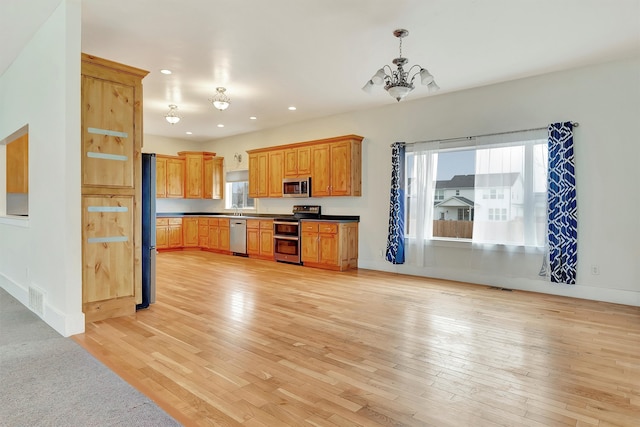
x,y
148,230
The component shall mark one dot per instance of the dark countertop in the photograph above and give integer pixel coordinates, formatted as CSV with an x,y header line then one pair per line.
x,y
336,218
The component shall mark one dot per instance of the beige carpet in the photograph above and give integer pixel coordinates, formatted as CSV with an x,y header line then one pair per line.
x,y
49,380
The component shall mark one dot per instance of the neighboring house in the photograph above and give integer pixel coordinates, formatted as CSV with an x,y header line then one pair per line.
x,y
502,196
454,198
485,197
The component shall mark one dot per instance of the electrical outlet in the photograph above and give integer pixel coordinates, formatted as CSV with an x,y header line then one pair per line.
x,y
595,270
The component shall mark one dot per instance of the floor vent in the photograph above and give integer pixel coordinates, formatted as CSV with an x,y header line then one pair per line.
x,y
497,288
36,301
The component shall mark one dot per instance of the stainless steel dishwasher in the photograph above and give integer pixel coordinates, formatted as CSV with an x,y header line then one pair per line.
x,y
238,236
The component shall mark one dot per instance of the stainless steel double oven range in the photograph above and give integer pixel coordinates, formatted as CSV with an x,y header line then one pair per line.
x,y
286,233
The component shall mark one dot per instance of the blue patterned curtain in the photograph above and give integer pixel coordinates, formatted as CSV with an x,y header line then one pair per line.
x,y
562,228
395,240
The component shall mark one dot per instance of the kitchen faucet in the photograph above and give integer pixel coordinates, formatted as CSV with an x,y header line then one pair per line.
x,y
236,210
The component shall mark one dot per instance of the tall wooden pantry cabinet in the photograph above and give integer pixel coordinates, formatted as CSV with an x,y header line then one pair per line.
x,y
111,189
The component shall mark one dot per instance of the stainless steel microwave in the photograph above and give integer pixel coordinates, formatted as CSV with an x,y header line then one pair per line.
x,y
296,187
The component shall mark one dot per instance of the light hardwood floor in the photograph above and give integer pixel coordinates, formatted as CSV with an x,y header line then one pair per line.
x,y
234,341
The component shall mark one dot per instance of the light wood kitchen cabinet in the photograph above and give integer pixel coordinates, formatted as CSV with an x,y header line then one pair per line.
x,y
111,142
190,232
329,245
161,177
162,233
336,169
260,238
175,233
259,175
203,232
276,172
321,170
297,162
170,173
199,174
193,174
224,241
169,233
334,165
213,177
17,157
175,178
219,234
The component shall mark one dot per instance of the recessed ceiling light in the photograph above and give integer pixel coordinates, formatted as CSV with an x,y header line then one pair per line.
x,y
189,133
292,108
165,71
253,118
220,125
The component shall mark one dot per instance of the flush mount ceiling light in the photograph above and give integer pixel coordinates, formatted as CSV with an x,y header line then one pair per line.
x,y
400,82
171,116
220,100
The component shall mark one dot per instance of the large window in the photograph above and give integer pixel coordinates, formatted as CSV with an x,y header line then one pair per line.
x,y
491,192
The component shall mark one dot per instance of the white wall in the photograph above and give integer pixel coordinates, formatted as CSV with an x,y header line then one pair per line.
x,y
171,146
604,99
41,88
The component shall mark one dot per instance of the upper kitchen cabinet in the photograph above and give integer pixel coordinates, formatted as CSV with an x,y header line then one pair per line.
x,y
258,174
334,165
190,175
161,177
213,177
111,167
297,162
170,176
276,172
195,178
336,168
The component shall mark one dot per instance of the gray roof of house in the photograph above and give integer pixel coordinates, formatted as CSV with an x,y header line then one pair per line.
x,y
463,201
480,180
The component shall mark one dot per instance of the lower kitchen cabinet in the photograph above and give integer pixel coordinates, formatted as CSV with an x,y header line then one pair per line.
x,y
224,233
329,245
169,233
162,233
219,234
175,233
190,232
203,233
260,238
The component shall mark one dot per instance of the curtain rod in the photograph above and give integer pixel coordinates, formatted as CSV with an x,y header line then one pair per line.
x,y
575,125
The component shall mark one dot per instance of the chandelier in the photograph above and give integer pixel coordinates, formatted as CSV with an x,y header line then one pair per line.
x,y
171,116
400,82
220,100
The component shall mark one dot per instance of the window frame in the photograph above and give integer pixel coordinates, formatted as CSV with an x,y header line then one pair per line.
x,y
228,197
527,143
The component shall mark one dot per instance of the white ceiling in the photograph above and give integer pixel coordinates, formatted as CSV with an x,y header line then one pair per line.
x,y
317,54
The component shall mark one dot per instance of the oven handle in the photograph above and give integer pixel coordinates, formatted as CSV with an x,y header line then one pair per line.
x,y
277,236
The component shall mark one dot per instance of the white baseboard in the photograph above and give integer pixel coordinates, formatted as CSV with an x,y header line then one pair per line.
x,y
66,324
616,296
